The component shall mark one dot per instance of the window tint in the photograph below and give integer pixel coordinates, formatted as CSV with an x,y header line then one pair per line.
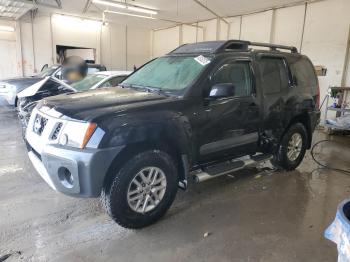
x,y
274,75
237,74
304,72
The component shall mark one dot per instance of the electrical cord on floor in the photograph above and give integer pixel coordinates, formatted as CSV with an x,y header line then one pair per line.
x,y
323,165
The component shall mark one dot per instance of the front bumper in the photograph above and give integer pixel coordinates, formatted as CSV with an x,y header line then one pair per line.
x,y
87,168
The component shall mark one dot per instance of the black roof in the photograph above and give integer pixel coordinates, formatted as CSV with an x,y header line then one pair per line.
x,y
213,47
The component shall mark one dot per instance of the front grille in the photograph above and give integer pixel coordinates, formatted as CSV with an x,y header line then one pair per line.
x,y
56,131
39,124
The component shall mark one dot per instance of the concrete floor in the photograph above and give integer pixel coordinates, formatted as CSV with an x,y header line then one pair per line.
x,y
272,217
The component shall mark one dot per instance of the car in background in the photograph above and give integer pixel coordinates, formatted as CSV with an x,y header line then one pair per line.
x,y
51,86
9,88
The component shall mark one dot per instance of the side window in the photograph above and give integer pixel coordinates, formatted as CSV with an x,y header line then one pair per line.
x,y
117,80
304,73
113,81
236,73
274,76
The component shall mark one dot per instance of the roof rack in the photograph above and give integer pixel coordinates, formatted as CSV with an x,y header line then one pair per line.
x,y
274,47
230,45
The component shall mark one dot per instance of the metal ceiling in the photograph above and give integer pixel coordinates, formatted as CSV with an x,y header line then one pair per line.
x,y
14,9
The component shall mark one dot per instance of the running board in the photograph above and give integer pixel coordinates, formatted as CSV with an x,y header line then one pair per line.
x,y
225,168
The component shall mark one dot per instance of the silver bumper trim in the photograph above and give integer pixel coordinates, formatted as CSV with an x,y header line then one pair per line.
x,y
40,168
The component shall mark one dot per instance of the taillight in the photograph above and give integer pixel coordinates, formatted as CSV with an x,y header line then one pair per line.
x,y
318,97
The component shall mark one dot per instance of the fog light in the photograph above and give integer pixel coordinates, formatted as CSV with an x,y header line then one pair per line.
x,y
65,177
63,139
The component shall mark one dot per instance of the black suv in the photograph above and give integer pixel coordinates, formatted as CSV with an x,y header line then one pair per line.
x,y
203,110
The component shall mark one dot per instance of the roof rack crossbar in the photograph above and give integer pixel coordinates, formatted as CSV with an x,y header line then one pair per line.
x,y
293,49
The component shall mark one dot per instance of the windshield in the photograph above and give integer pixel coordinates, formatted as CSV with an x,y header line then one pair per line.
x,y
48,71
168,73
88,82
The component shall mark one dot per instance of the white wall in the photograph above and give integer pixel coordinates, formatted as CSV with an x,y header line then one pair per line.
x,y
290,18
8,59
210,31
189,34
113,44
165,40
34,44
26,40
138,47
8,65
235,27
257,27
223,30
42,42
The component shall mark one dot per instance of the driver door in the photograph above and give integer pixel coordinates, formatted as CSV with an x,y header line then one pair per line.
x,y
233,122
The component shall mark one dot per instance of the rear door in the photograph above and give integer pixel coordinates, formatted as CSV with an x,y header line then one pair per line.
x,y
274,82
232,122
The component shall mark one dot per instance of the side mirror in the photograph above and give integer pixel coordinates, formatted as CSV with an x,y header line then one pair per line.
x,y
44,67
222,90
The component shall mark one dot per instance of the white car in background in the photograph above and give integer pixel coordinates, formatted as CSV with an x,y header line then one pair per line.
x,y
9,88
51,86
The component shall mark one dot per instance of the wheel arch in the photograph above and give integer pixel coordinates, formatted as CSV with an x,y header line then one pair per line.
x,y
164,144
305,120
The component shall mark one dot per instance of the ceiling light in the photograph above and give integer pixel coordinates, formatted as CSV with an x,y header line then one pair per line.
x,y
7,28
128,14
72,21
142,10
124,6
113,4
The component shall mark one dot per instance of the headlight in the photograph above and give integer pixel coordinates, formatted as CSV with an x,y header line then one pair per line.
x,y
77,134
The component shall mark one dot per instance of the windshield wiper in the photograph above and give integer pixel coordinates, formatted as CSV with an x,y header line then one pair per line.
x,y
148,89
157,90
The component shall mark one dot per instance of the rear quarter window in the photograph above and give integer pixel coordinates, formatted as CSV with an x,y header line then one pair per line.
x,y
302,69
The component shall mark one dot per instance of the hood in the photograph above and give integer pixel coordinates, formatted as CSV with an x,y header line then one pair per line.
x,y
41,85
22,82
92,104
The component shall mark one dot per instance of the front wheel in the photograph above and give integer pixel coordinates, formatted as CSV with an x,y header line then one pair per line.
x,y
142,190
292,148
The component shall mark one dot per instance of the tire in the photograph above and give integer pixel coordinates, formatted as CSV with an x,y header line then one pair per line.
x,y
115,195
281,158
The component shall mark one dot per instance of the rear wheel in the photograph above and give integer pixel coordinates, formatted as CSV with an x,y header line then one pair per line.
x,y
142,190
292,148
